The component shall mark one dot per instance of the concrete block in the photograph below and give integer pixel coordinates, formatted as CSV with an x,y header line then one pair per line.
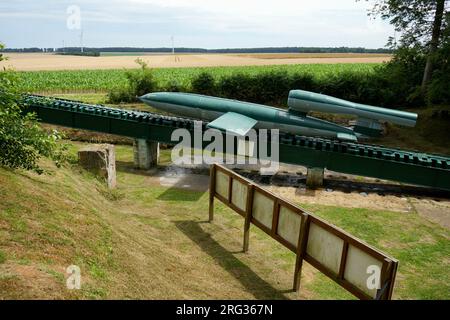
x,y
101,160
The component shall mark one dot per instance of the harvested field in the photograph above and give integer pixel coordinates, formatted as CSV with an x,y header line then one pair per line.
x,y
314,55
46,61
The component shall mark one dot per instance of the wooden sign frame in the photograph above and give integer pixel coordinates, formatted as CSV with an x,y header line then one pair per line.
x,y
300,248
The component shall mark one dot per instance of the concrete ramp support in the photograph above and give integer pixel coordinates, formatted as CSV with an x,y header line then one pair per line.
x,y
314,178
146,154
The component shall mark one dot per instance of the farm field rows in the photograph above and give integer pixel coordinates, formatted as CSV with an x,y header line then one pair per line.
x,y
47,61
105,80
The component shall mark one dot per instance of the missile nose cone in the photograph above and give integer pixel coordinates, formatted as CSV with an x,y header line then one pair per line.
x,y
147,97
155,97
151,98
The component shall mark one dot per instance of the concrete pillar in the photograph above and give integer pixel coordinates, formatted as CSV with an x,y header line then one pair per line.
x,y
101,160
146,154
314,178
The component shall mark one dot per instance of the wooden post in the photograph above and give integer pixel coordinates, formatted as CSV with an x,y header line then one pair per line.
x,y
248,216
392,275
301,250
385,278
212,191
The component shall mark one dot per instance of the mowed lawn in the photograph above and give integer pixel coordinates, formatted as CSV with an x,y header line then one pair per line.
x,y
145,240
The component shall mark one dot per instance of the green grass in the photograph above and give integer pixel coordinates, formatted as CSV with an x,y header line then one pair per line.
x,y
2,257
422,247
153,242
105,80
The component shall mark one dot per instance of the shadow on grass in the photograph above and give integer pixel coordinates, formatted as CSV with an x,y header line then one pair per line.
x,y
249,279
176,193
128,167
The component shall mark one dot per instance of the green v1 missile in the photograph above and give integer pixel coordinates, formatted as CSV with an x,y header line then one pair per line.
x,y
239,117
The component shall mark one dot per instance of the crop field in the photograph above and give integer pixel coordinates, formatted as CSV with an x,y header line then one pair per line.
x,y
48,61
312,55
105,80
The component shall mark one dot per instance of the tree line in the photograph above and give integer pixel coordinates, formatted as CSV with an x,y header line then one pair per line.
x,y
202,50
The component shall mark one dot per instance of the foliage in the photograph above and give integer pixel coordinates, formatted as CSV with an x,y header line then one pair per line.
x,y
403,76
140,82
439,88
174,86
420,64
204,83
413,18
22,140
79,53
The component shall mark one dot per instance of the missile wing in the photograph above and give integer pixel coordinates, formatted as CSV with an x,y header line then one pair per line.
x,y
233,122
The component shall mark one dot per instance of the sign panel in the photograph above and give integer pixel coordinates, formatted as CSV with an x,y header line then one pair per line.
x,y
362,270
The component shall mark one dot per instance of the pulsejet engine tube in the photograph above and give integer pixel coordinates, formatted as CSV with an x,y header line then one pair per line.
x,y
304,101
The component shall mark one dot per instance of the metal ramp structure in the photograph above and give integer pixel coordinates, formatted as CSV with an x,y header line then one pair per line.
x,y
346,157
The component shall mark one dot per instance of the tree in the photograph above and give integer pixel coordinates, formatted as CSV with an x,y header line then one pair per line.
x,y
22,140
422,24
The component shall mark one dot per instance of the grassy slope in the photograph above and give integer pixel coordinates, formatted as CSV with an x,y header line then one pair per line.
x,y
148,241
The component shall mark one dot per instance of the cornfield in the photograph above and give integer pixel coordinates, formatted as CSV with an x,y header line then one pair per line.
x,y
106,80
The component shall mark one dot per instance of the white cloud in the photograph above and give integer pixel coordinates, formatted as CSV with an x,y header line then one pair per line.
x,y
208,23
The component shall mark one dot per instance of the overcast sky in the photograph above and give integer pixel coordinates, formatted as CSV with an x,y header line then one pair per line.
x,y
192,23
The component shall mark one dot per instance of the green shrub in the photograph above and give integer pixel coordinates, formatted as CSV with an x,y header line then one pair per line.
x,y
403,77
271,87
22,140
204,83
174,86
238,86
121,95
139,81
304,81
439,88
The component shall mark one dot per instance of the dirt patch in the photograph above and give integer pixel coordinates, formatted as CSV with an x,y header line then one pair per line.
x,y
30,281
341,199
435,211
45,61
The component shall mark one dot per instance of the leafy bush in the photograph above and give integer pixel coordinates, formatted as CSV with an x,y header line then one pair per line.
x,y
439,88
121,95
139,82
204,83
271,87
174,86
304,81
238,86
22,140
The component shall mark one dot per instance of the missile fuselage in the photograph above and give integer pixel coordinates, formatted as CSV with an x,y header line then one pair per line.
x,y
208,108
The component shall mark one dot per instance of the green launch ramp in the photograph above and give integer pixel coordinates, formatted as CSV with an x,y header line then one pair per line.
x,y
347,157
